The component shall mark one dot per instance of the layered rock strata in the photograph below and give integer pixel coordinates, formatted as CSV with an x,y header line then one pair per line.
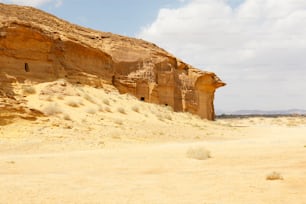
x,y
38,47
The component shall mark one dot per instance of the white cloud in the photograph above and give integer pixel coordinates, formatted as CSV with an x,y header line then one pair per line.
x,y
58,3
34,3
258,48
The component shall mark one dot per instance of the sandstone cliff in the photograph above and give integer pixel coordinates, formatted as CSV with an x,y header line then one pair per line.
x,y
38,47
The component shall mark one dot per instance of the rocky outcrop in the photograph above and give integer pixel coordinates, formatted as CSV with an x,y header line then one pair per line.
x,y
38,47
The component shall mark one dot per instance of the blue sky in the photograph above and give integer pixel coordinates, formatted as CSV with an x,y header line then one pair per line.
x,y
257,47
125,17
117,16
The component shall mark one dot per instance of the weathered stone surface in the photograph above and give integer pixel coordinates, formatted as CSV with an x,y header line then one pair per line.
x,y
38,47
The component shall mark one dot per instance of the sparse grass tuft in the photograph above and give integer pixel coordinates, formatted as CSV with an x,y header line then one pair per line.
x,y
116,137
135,108
73,103
91,110
107,109
106,101
89,98
169,108
168,117
49,98
160,117
199,153
60,97
28,90
52,109
274,176
118,122
100,108
121,110
66,117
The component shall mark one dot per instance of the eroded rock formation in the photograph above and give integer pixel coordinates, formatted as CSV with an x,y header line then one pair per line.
x,y
38,47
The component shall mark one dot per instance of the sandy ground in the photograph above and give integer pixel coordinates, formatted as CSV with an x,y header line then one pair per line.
x,y
99,147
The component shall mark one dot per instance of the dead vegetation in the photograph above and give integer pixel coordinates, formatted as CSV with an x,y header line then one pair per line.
x,y
198,153
274,176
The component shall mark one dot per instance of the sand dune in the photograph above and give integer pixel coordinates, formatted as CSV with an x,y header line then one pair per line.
x,y
97,146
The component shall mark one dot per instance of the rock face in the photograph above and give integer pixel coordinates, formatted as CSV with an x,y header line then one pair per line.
x,y
38,47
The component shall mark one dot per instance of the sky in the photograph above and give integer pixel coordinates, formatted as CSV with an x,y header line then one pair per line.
x,y
258,47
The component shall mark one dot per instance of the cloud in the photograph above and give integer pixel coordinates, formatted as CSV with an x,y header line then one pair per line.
x,y
58,3
34,3
258,47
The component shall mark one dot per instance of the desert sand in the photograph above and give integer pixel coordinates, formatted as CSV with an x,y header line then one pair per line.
x,y
97,146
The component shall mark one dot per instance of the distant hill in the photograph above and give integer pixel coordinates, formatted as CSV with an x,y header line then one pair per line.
x,y
262,112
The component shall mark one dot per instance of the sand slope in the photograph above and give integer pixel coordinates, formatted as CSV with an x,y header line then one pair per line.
x,y
97,146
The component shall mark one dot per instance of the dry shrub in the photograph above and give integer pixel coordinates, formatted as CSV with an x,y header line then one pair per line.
x,y
48,98
169,108
199,153
28,90
274,176
118,122
292,123
106,101
100,108
51,109
91,110
116,137
168,117
121,110
66,117
135,108
89,98
60,97
160,117
73,103
107,109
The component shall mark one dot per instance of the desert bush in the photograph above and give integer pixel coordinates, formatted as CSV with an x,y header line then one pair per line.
x,y
121,110
27,90
169,108
105,101
48,98
100,108
91,110
274,176
116,137
135,108
73,103
60,97
168,117
66,117
199,153
89,98
118,122
51,109
160,117
107,109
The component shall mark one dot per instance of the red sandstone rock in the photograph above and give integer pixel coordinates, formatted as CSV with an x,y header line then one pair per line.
x,y
39,47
